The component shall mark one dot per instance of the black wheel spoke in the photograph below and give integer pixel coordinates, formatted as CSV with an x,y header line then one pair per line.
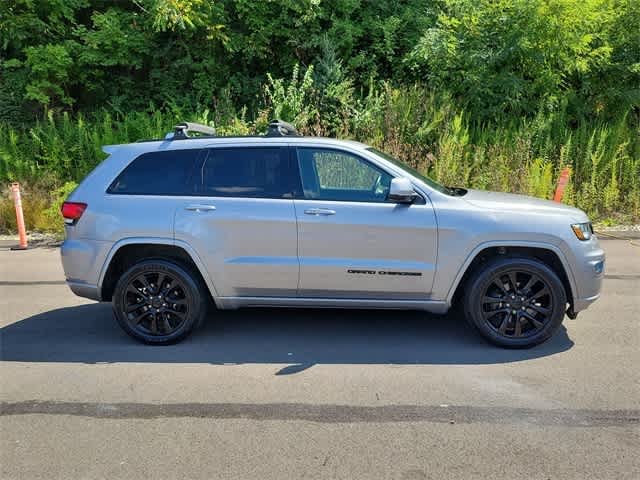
x,y
135,306
179,314
540,309
153,325
492,313
498,283
487,299
145,283
530,283
132,289
165,323
161,279
517,331
138,318
541,293
503,325
168,283
536,323
513,282
177,301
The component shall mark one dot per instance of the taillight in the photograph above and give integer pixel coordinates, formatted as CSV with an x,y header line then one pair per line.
x,y
72,211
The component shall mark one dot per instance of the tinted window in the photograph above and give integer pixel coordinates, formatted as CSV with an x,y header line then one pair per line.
x,y
336,175
250,172
159,173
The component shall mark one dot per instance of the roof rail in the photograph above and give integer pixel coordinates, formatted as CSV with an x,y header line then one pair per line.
x,y
182,130
278,128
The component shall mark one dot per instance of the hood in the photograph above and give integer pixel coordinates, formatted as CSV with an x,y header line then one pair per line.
x,y
509,202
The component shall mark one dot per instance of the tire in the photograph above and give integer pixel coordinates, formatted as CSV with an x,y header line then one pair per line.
x,y
159,314
519,317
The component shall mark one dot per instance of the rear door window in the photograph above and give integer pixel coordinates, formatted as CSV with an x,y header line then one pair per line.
x,y
171,172
250,172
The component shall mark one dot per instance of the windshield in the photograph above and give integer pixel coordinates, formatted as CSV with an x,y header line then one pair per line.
x,y
412,171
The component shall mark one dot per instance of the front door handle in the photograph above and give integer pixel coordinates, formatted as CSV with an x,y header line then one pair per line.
x,y
200,208
319,211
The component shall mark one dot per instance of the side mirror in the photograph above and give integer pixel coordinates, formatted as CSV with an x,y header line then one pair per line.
x,y
401,191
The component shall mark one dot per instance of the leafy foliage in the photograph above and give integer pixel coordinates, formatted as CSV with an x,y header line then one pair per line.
x,y
497,94
515,57
191,52
288,101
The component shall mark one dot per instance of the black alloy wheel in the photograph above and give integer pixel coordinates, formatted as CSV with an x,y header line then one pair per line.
x,y
159,302
156,303
515,302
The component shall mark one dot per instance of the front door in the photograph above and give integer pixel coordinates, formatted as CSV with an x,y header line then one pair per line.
x,y
354,243
242,222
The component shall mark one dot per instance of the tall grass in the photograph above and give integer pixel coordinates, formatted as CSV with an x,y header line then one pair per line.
x,y
417,126
520,156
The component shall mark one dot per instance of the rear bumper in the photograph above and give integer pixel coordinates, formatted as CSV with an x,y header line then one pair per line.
x,y
82,261
84,290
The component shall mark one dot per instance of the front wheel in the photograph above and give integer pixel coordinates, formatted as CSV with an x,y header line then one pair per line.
x,y
159,302
515,302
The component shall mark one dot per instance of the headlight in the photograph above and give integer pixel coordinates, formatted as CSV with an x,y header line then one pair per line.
x,y
583,231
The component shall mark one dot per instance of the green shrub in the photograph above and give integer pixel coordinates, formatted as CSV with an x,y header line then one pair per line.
x,y
51,220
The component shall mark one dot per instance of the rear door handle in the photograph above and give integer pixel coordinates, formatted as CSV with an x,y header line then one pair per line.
x,y
200,208
319,211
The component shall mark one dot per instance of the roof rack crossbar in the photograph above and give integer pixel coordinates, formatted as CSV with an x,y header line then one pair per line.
x,y
278,128
182,130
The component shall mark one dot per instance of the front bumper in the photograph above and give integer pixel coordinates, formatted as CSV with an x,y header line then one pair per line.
x,y
588,273
580,304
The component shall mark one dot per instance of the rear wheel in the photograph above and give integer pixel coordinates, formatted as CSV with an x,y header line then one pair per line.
x,y
159,302
515,302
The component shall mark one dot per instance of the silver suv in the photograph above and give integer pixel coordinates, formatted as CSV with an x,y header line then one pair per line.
x,y
166,228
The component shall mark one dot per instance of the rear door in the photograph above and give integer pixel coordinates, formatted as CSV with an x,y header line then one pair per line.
x,y
241,220
354,243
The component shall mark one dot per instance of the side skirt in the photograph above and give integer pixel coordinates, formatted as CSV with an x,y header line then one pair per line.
x,y
432,306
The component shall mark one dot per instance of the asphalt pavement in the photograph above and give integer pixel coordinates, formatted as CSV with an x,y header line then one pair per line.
x,y
287,394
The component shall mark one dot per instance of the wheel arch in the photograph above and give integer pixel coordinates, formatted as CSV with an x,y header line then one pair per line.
x,y
128,251
548,253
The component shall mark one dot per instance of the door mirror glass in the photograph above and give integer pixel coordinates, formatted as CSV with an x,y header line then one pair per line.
x,y
401,191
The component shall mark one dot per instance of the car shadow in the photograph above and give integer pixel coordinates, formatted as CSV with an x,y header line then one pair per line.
x,y
296,338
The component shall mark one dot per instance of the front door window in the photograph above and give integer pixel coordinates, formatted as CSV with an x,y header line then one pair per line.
x,y
340,176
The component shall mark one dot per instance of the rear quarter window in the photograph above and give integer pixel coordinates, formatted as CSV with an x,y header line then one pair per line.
x,y
160,173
